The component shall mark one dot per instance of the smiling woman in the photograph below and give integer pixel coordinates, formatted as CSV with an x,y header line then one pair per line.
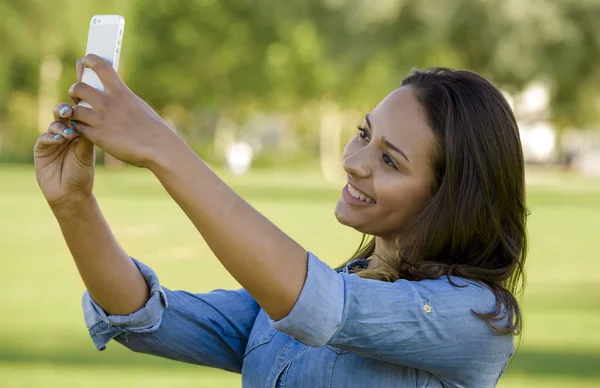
x,y
457,206
441,124
435,175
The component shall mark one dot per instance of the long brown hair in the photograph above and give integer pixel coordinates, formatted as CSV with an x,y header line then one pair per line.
x,y
474,225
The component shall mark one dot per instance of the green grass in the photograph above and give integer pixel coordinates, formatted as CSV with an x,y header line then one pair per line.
x,y
44,343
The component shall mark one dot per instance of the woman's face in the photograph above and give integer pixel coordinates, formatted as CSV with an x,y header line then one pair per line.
x,y
388,166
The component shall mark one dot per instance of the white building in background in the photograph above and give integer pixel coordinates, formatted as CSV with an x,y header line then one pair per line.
x,y
579,149
583,151
538,135
539,142
239,157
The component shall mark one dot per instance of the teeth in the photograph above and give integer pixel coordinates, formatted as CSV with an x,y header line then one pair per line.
x,y
357,194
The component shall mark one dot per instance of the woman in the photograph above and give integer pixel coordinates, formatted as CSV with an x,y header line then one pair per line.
x,y
435,175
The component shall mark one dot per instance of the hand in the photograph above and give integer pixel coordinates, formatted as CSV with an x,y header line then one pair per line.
x,y
64,161
119,122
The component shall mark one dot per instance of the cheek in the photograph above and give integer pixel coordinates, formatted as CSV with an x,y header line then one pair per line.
x,y
401,199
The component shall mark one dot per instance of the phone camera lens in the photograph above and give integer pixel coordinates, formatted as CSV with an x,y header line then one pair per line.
x,y
94,21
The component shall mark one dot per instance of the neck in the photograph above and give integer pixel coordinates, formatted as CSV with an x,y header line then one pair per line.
x,y
383,248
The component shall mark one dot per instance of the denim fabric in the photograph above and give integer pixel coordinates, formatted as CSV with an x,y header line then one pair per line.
x,y
344,331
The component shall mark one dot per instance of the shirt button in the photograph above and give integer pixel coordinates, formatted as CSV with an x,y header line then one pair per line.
x,y
427,308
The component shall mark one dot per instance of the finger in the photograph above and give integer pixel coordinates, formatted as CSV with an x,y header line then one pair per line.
x,y
47,139
86,93
60,130
79,69
56,127
85,131
84,150
55,133
62,111
107,74
84,115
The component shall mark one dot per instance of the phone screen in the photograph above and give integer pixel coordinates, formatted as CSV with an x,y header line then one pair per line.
x,y
104,39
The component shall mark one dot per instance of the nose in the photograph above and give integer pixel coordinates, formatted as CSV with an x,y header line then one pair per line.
x,y
357,165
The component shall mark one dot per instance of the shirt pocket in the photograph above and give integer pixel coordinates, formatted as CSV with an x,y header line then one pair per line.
x,y
336,350
261,333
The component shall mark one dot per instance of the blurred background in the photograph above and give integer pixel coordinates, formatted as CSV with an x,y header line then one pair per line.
x,y
268,92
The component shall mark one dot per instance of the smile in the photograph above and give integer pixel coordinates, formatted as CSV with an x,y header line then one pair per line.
x,y
359,195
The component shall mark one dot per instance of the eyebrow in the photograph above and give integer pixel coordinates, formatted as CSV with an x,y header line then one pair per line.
x,y
387,143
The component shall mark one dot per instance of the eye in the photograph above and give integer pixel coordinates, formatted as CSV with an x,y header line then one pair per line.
x,y
389,161
363,133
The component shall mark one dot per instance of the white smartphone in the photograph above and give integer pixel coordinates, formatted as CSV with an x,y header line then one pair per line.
x,y
104,39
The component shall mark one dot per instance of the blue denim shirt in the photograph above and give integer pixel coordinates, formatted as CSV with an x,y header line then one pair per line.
x,y
344,331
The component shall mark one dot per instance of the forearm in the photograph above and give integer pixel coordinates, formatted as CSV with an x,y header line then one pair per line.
x,y
265,261
111,277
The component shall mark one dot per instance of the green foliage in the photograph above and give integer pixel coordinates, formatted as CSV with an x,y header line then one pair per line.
x,y
195,59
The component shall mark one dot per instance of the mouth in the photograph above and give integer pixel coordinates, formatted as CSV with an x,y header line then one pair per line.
x,y
356,197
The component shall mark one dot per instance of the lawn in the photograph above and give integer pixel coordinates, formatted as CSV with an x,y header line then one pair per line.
x,y
44,343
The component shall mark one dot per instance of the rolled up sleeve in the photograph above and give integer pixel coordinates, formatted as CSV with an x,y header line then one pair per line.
x,y
317,314
103,327
210,329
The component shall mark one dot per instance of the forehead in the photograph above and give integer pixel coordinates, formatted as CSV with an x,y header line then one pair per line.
x,y
400,118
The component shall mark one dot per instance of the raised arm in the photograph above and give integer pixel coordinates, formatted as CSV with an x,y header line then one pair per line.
x,y
109,274
64,165
124,300
265,261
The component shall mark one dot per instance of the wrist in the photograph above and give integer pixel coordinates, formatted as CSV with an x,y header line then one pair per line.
x,y
72,205
170,156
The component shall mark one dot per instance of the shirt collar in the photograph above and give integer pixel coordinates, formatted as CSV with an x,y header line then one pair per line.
x,y
349,268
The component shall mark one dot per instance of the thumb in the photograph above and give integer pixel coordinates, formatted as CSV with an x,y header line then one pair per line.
x,y
84,130
85,151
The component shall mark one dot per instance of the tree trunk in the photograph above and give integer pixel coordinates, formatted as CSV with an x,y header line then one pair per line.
x,y
50,73
330,142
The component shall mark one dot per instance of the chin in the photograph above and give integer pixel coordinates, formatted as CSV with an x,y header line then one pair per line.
x,y
346,217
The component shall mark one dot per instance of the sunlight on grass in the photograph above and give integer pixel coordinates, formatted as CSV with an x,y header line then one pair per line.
x,y
44,343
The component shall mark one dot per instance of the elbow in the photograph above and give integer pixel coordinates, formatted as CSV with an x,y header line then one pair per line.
x,y
317,314
319,338
312,330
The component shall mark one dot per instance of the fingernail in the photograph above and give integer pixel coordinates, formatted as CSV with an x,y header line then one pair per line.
x,y
68,131
73,122
64,111
58,136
